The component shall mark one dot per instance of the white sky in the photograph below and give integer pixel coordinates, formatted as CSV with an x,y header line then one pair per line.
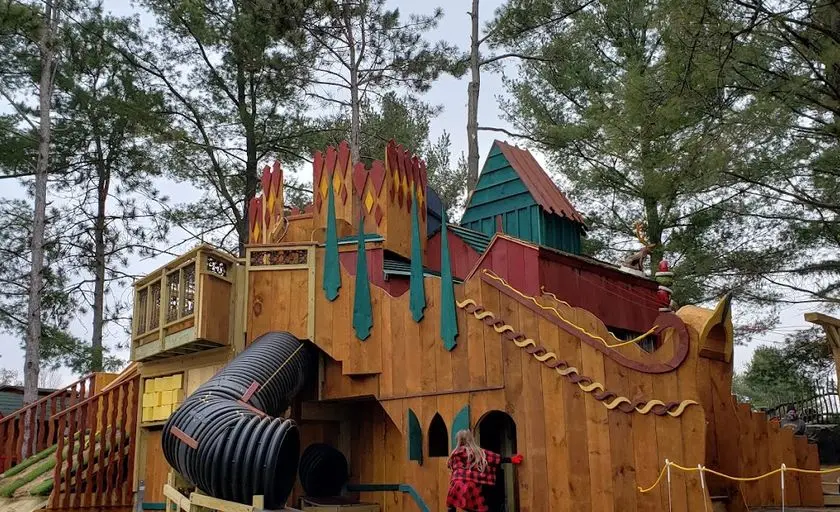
x,y
448,92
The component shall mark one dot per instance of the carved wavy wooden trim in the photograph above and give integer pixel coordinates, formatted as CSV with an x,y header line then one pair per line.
x,y
608,399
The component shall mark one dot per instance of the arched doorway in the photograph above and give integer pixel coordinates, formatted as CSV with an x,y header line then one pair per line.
x,y
496,431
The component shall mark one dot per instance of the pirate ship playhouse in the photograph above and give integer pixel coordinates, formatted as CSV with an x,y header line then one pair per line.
x,y
367,330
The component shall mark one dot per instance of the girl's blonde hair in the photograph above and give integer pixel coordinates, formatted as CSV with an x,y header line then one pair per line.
x,y
476,458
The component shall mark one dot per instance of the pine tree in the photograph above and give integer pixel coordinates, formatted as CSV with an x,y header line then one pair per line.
x,y
794,69
367,50
635,103
104,117
231,72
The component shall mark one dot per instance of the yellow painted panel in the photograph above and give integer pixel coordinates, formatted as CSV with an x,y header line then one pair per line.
x,y
166,398
151,399
149,385
162,412
177,396
148,414
177,381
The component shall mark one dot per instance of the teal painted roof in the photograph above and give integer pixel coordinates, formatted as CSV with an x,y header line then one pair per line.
x,y
395,267
515,191
475,239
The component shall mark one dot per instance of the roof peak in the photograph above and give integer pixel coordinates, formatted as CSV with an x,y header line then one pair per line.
x,y
542,188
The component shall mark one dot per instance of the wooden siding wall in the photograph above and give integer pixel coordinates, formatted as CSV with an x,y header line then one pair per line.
x,y
500,192
216,309
462,256
375,257
278,300
516,263
744,443
620,301
561,233
579,455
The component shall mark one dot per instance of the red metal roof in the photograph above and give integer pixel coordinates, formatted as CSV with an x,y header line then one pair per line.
x,y
545,191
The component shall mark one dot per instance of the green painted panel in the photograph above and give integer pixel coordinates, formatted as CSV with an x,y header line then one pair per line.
x,y
501,192
511,223
523,222
332,272
461,422
362,311
10,402
415,438
536,214
499,177
561,233
448,316
417,287
486,210
498,193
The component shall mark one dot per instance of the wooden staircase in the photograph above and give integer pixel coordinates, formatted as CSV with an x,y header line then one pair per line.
x,y
40,416
94,467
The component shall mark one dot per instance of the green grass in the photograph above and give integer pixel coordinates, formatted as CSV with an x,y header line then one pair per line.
x,y
43,462
29,462
42,489
8,490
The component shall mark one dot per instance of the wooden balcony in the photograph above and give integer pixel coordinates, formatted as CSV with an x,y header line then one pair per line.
x,y
186,306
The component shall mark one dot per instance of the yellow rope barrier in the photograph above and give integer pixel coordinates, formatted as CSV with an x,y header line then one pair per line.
x,y
730,477
619,343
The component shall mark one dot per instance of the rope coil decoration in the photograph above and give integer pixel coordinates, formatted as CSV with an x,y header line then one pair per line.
x,y
608,399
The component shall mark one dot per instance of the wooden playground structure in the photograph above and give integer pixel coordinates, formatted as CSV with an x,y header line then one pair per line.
x,y
421,328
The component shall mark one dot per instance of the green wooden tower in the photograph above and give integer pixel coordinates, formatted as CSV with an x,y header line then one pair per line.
x,y
513,188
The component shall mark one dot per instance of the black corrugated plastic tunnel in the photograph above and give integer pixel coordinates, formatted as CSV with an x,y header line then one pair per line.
x,y
323,470
243,447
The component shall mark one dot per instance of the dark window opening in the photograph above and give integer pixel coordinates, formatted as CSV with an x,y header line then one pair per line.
x,y
648,343
496,431
438,438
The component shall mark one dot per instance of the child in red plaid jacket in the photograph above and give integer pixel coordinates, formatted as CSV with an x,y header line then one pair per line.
x,y
473,473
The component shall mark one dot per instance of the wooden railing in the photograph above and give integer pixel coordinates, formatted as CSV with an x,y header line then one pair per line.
x,y
95,457
192,292
39,416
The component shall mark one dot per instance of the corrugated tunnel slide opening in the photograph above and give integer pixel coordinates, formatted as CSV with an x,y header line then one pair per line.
x,y
228,438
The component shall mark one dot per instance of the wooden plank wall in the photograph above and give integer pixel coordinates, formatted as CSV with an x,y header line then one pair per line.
x,y
216,309
619,300
278,300
750,445
462,257
197,369
744,443
579,455
408,357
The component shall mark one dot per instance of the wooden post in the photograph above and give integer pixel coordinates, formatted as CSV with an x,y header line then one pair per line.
x,y
831,326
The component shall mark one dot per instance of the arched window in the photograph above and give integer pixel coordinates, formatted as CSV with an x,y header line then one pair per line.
x,y
438,438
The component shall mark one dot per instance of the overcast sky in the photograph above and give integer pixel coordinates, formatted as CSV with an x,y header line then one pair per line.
x,y
448,92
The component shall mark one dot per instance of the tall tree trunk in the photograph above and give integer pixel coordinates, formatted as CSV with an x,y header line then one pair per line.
x,y
472,102
32,361
654,233
355,101
355,109
245,98
103,186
